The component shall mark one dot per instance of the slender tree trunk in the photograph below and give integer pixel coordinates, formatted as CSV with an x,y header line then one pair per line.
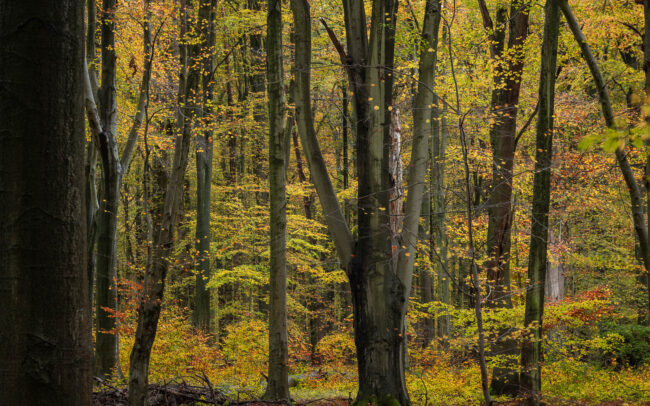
x,y
92,202
278,377
438,238
204,152
163,239
646,88
44,311
531,353
106,347
114,169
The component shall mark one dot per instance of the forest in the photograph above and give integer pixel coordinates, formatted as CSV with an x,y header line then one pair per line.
x,y
324,202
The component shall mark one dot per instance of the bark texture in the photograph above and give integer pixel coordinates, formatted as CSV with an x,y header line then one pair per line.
x,y
508,58
204,152
44,311
278,378
531,353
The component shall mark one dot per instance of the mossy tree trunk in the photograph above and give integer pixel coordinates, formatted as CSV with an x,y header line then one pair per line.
x,y
537,260
278,377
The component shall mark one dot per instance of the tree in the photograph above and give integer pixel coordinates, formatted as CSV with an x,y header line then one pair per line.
x,y
114,168
278,378
380,289
537,260
634,191
504,105
646,88
163,236
44,310
204,152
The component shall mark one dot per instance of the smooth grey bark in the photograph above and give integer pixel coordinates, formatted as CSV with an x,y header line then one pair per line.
x,y
332,212
163,236
204,152
555,278
46,350
92,201
422,115
277,388
531,352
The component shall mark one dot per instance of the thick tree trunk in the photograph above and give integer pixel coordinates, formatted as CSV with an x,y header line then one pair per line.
x,y
379,288
204,152
531,352
44,311
163,239
503,128
377,296
278,378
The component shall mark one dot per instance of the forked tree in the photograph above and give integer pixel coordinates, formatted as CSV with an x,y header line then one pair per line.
x,y
379,282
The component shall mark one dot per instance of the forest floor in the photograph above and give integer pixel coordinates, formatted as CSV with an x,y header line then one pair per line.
x,y
566,385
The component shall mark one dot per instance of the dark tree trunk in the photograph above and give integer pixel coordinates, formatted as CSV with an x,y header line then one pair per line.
x,y
537,260
106,346
437,232
204,152
503,128
278,378
44,311
646,67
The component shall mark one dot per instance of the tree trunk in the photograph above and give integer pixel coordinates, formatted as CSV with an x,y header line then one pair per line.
x,y
531,352
155,274
503,120
114,169
278,378
44,311
554,284
646,88
438,238
380,289
106,346
204,152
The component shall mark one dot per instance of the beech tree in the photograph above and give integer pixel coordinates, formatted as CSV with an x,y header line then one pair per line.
x,y
380,285
44,311
101,107
507,35
163,236
537,262
278,377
